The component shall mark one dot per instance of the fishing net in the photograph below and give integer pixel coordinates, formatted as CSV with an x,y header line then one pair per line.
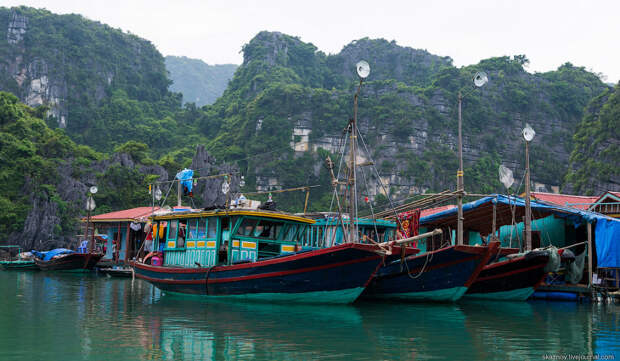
x,y
553,265
575,269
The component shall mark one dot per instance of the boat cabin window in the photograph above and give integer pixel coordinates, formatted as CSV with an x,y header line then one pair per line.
x,y
171,235
267,229
211,227
291,232
181,234
247,226
201,228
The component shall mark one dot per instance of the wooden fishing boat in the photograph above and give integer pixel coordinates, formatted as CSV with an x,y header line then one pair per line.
x,y
255,255
18,265
19,262
441,275
70,262
513,279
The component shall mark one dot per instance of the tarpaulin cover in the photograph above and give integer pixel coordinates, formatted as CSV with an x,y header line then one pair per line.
x,y
46,256
606,232
185,176
607,236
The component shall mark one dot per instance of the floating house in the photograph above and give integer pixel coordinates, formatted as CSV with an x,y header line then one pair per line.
x,y
561,226
123,232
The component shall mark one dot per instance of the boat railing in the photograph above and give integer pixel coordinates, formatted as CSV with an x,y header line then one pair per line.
x,y
11,247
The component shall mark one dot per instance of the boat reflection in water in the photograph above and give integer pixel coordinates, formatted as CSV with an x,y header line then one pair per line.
x,y
70,317
224,330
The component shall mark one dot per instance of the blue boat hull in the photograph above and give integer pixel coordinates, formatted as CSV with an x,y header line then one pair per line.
x,y
333,275
443,275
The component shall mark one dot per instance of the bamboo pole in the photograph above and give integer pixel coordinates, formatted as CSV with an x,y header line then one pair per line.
x,y
306,203
590,250
411,239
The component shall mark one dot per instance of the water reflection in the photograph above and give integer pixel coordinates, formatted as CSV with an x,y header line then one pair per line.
x,y
60,317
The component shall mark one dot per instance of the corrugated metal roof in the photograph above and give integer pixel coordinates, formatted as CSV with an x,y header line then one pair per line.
x,y
128,215
579,202
430,211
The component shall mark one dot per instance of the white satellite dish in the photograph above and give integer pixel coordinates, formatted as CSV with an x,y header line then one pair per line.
x,y
505,176
93,189
225,187
363,69
528,133
480,78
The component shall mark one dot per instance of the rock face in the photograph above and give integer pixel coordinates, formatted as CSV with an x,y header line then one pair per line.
x,y
209,191
595,161
70,64
18,24
407,114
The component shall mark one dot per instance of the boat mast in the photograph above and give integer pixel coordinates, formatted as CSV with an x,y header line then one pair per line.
x,y
363,70
528,135
480,79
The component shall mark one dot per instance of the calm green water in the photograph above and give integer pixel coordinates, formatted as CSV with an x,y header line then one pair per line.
x,y
86,317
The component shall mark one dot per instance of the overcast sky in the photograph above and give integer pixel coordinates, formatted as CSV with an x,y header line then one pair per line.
x,y
549,32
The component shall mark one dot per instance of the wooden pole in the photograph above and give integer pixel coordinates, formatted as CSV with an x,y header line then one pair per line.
x,y
494,220
459,180
179,193
306,203
527,224
590,250
411,239
127,244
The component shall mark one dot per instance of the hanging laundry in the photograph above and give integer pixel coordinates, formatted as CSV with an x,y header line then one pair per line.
x,y
185,176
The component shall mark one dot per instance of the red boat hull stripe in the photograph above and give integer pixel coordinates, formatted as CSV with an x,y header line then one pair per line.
x,y
506,274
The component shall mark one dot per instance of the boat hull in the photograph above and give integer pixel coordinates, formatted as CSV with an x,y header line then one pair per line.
x,y
511,280
333,275
71,262
18,266
442,275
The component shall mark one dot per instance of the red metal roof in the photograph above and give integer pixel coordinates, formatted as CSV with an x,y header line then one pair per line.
x,y
579,202
430,211
133,214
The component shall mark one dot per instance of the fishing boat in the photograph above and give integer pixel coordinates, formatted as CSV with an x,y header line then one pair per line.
x,y
61,259
512,279
254,255
23,261
18,265
442,275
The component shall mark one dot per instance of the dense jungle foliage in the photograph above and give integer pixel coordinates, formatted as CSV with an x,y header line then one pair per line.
x,y
595,160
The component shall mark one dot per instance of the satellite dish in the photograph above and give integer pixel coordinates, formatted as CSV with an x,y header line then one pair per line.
x,y
242,181
505,176
363,69
225,187
93,189
480,78
528,133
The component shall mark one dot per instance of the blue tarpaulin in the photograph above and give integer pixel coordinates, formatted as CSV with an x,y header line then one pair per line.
x,y
185,176
46,256
607,236
606,231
